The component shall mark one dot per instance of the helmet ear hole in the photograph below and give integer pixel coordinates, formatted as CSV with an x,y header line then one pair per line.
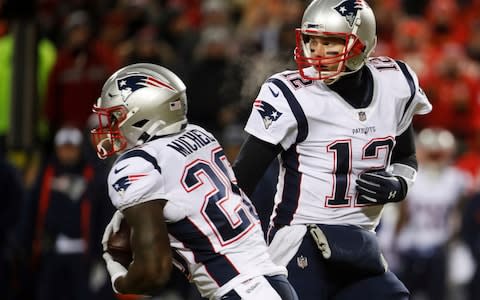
x,y
140,123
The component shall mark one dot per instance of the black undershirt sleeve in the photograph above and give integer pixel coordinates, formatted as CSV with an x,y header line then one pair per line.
x,y
404,151
252,161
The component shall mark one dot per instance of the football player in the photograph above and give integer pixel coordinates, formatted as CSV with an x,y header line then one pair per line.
x,y
341,127
175,188
426,227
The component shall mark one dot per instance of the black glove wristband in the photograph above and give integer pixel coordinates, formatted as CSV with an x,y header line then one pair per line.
x,y
404,184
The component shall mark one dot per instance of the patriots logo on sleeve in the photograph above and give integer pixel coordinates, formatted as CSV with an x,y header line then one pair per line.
x,y
269,113
349,9
131,83
122,184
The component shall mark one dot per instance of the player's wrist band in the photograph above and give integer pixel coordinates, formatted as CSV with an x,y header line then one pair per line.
x,y
114,278
408,173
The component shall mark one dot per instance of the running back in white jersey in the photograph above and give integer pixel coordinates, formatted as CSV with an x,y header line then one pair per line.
x,y
213,228
318,169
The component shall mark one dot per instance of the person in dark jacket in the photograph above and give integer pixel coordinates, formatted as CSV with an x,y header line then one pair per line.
x,y
56,220
471,235
12,189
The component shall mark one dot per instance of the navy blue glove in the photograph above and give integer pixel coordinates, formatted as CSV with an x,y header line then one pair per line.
x,y
381,187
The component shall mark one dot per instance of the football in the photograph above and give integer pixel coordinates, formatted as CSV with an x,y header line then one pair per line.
x,y
118,245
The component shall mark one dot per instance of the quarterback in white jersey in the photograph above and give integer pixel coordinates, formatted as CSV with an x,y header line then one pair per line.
x,y
328,143
174,186
340,127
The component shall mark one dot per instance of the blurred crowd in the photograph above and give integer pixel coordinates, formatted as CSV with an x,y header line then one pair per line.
x,y
54,202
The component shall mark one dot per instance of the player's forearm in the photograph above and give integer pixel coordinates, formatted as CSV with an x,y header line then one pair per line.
x,y
142,279
404,159
152,257
404,151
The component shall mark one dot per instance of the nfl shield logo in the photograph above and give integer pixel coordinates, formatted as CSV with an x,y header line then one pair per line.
x,y
302,262
362,116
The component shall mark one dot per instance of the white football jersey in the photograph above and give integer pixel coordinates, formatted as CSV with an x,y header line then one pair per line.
x,y
213,228
328,143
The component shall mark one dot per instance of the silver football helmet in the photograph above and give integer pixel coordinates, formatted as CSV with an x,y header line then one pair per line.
x,y
436,142
436,148
352,21
138,102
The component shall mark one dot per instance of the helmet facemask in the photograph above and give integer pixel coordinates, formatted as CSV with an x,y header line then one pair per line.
x,y
327,67
108,137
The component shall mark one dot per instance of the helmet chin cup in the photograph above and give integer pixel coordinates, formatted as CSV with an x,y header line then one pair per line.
x,y
108,144
102,153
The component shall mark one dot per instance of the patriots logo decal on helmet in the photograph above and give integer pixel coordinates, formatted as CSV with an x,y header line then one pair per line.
x,y
269,113
130,84
349,9
122,184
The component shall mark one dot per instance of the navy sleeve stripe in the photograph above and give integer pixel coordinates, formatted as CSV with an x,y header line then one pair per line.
x,y
144,155
411,84
296,109
218,266
291,188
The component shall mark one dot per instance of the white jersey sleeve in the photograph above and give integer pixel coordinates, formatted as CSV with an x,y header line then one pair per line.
x,y
417,103
135,178
271,118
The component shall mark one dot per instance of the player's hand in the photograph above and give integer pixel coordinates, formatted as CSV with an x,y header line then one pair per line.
x,y
112,228
381,187
115,269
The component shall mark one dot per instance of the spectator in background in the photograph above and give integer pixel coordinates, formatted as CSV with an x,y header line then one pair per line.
x,y
12,196
56,219
254,69
146,46
473,43
262,21
471,236
101,213
209,92
46,52
179,27
78,74
415,7
426,222
469,160
409,45
112,33
453,94
443,16
388,13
